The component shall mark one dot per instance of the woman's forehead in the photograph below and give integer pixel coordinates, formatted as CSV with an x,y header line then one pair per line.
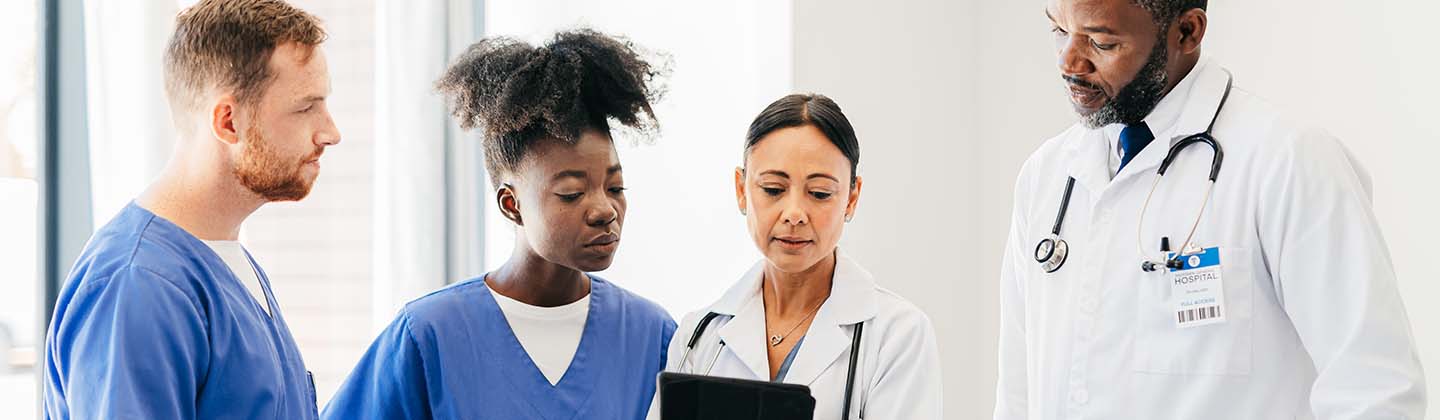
x,y
798,152
589,153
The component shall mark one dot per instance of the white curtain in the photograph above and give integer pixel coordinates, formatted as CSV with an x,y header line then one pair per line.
x,y
428,176
131,133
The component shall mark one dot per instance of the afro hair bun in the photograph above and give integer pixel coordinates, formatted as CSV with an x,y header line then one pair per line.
x,y
518,93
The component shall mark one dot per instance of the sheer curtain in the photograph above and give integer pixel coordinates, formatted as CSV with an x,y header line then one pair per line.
x,y
130,129
429,177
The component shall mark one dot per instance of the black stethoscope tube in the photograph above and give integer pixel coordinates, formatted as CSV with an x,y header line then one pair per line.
x,y
1064,206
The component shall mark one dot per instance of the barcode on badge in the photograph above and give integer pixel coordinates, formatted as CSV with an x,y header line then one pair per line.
x,y
1197,314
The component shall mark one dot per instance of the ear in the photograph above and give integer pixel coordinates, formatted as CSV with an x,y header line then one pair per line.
x,y
854,198
222,119
740,189
509,205
1192,26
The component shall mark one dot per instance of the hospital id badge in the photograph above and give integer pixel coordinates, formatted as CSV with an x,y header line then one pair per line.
x,y
1197,293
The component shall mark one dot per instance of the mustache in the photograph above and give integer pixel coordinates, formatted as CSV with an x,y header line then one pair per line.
x,y
1082,83
315,156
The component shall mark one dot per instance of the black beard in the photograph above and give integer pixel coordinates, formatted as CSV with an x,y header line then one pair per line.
x,y
1137,99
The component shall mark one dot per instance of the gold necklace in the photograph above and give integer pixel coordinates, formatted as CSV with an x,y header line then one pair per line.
x,y
776,339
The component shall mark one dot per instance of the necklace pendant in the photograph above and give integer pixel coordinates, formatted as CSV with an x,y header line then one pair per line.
x,y
775,340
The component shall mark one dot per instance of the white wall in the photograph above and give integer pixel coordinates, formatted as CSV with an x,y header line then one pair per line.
x,y
950,97
903,74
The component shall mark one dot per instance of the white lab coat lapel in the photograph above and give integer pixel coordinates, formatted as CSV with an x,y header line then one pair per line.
x,y
744,334
852,300
1087,154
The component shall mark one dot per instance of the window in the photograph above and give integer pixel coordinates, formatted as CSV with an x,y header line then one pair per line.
x,y
18,193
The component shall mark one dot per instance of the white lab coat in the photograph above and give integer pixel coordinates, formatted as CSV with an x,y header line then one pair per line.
x,y
1315,327
898,374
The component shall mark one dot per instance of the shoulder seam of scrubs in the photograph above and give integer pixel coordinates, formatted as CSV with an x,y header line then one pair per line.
x,y
91,284
165,280
140,236
414,344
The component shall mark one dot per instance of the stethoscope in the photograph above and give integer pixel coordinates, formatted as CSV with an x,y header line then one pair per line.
x,y
1051,252
849,375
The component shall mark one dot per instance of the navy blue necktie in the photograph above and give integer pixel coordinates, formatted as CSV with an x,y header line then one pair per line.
x,y
1132,140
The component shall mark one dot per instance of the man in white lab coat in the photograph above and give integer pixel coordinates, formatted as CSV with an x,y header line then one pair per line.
x,y
1282,300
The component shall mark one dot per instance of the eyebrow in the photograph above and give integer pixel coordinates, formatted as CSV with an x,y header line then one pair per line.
x,y
576,173
787,176
778,173
1093,29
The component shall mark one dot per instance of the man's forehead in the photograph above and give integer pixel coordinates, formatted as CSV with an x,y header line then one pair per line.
x,y
300,69
1088,9
1101,16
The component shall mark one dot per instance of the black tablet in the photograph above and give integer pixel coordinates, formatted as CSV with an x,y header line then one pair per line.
x,y
698,397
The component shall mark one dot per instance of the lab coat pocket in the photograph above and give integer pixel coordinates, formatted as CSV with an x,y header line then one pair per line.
x,y
1224,348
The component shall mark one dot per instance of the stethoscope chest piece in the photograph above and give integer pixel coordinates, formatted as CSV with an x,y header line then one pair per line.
x,y
1051,254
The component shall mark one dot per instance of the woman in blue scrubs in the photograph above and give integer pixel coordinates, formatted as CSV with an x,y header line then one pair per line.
x,y
537,338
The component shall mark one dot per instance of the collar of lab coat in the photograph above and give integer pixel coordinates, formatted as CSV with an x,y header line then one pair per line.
x,y
1196,99
852,300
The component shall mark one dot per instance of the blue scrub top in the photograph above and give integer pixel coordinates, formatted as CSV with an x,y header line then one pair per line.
x,y
151,324
452,355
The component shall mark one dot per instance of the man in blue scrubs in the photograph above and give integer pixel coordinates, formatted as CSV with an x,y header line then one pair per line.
x,y
165,315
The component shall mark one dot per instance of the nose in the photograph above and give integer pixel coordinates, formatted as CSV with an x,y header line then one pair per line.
x,y
1072,58
793,214
329,134
603,213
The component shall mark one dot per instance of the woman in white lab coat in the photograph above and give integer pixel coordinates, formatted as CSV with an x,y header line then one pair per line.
x,y
795,316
